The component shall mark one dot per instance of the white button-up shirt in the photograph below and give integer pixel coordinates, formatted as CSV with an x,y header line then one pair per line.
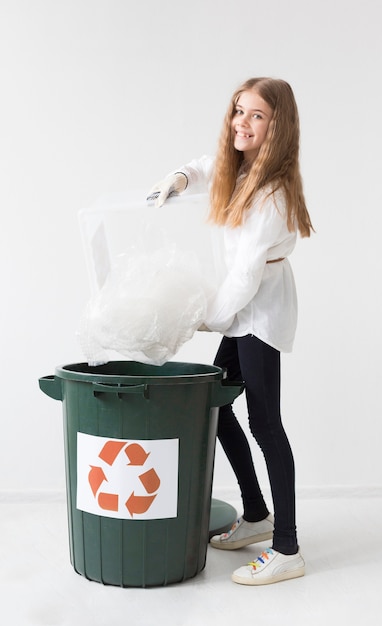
x,y
256,297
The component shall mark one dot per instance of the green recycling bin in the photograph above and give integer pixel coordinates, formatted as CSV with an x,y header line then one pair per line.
x,y
139,456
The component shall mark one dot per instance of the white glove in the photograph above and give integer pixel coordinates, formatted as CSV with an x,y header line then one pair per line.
x,y
172,184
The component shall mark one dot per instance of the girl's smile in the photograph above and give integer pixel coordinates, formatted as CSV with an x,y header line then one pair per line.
x,y
250,123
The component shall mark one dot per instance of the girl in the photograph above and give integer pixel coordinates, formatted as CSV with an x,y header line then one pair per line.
x,y
256,195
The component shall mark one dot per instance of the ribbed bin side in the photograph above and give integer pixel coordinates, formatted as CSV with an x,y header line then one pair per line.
x,y
134,552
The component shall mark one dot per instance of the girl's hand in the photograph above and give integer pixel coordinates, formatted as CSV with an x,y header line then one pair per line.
x,y
171,185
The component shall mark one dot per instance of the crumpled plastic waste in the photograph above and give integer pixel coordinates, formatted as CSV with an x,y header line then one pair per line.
x,y
150,305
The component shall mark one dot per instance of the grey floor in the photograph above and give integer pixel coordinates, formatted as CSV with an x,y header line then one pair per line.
x,y
340,539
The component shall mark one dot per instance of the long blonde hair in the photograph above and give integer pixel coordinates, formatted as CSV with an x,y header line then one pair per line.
x,y
275,167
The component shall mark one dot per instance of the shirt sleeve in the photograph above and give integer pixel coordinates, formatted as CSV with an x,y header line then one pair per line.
x,y
254,242
198,172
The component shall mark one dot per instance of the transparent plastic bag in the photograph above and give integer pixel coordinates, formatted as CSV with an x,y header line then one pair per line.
x,y
149,306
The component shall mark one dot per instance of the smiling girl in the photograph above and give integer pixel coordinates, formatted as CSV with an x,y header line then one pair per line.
x,y
256,196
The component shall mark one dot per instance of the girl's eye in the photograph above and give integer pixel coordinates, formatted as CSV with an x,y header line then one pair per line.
x,y
256,116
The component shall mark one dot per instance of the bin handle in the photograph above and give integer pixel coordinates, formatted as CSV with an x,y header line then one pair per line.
x,y
51,385
226,391
121,389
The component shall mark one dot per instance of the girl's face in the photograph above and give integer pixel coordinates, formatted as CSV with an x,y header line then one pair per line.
x,y
250,123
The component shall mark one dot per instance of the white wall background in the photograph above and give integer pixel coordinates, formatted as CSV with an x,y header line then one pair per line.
x,y
101,96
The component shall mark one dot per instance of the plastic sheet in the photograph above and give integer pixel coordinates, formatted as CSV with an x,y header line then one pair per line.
x,y
149,306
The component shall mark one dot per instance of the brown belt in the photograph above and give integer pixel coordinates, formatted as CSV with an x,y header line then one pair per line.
x,y
276,260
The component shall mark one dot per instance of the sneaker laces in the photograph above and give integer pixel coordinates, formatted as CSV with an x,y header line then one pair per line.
x,y
264,556
233,528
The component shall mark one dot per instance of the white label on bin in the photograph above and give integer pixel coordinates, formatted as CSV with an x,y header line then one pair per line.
x,y
127,479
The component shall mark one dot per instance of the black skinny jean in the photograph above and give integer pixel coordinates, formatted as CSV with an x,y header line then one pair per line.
x,y
258,365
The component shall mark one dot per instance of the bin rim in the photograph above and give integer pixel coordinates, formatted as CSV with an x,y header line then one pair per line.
x,y
112,372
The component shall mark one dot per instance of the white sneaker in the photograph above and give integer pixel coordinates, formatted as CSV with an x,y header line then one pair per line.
x,y
270,567
244,533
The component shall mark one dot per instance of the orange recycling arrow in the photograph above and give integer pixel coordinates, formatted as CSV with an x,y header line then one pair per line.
x,y
150,480
96,478
108,501
139,504
136,454
111,450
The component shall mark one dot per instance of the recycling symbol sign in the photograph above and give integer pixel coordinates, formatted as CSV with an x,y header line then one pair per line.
x,y
127,479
